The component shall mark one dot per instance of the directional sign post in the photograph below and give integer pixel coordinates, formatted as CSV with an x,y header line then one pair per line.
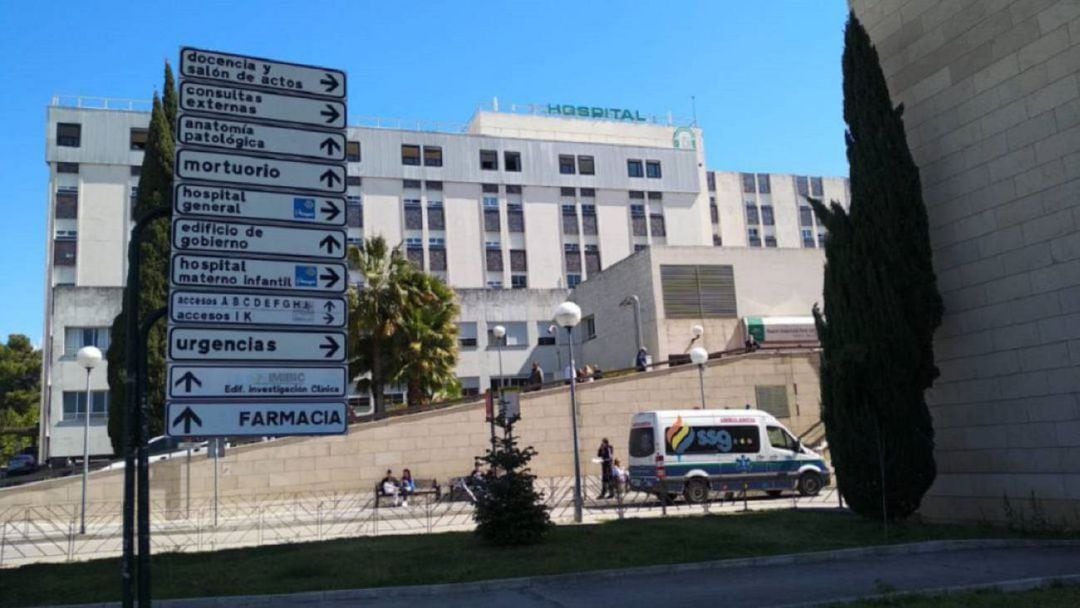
x,y
256,341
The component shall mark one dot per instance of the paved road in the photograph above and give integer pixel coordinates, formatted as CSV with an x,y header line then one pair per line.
x,y
760,585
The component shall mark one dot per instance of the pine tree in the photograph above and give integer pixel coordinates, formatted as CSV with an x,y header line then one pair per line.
x,y
155,191
882,305
509,510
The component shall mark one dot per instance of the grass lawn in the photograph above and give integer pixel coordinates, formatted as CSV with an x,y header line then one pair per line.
x,y
1052,597
457,557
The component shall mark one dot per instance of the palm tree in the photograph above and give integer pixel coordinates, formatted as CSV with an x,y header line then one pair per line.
x,y
429,341
402,327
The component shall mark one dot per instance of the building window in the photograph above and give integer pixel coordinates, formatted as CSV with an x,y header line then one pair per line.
x,y
489,188
717,241
489,160
467,334
75,405
572,281
410,155
637,220
806,216
491,217
512,161
710,178
652,169
751,213
656,196
518,263
354,212
495,284
807,238
568,192
656,224
754,236
566,164
817,188
432,156
801,186
640,247
545,333
714,212
414,215
436,219
821,239
589,326
353,180
569,220
470,386
763,185
513,189
588,193
592,260
767,215
634,168
415,255
586,165
67,203
572,258
410,184
517,333
588,219
515,218
67,167
78,337
437,255
494,258
433,185
770,240
138,138
637,195
748,182
136,170
519,281
64,251
352,151
69,134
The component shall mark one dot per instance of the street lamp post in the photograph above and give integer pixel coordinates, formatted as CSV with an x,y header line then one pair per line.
x,y
499,332
699,356
89,357
636,303
568,315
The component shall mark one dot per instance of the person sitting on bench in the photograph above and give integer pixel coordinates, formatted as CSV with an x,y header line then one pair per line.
x,y
407,486
389,486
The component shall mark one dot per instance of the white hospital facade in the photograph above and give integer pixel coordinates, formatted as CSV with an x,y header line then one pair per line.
x,y
513,211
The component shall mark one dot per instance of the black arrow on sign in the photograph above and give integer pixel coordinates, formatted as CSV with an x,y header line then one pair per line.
x,y
331,346
187,380
330,113
329,306
328,317
186,417
330,82
330,277
330,144
329,242
329,176
331,211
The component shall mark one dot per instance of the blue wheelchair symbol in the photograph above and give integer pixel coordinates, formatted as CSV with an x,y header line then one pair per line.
x,y
307,276
304,208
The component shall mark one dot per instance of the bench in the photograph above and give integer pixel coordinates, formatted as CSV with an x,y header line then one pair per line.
x,y
424,487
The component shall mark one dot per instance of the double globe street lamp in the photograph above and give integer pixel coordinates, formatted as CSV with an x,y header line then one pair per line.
x,y
568,315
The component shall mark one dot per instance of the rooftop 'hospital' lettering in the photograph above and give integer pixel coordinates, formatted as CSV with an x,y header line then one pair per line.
x,y
595,112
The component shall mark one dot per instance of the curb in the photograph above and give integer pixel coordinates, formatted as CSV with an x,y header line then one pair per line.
x,y
1013,586
936,546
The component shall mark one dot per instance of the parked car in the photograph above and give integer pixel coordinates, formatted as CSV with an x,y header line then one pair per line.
x,y
21,464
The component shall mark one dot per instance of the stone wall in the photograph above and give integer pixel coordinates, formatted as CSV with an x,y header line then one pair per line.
x,y
443,443
991,91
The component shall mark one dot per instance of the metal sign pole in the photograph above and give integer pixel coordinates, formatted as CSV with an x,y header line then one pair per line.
x,y
217,448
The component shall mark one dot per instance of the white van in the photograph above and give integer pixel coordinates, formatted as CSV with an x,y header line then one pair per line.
x,y
719,450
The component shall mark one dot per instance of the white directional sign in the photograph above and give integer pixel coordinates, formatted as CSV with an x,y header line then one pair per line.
x,y
218,236
256,418
255,71
209,344
237,102
256,340
245,136
246,273
233,308
257,171
248,204
216,382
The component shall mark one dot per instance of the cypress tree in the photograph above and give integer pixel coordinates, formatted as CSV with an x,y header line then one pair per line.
x,y
882,305
155,190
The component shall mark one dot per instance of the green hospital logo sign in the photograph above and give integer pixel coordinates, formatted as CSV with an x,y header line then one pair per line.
x,y
572,111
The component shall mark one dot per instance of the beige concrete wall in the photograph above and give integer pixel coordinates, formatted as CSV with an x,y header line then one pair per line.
x,y
991,92
442,444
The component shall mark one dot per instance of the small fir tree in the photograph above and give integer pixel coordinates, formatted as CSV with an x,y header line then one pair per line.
x,y
882,305
509,510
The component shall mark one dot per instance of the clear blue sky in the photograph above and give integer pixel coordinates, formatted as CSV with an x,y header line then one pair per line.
x,y
766,76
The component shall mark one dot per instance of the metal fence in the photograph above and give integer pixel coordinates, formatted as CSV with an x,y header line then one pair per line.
x,y
51,534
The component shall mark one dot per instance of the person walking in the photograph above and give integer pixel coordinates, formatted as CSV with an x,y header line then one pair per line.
x,y
641,362
606,454
536,377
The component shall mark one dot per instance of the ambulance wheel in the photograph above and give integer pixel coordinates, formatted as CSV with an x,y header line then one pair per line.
x,y
697,491
809,483
774,493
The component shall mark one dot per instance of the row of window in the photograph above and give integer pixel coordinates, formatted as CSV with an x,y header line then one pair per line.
x,y
517,333
569,164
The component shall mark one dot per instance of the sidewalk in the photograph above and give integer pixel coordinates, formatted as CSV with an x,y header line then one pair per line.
x,y
772,581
